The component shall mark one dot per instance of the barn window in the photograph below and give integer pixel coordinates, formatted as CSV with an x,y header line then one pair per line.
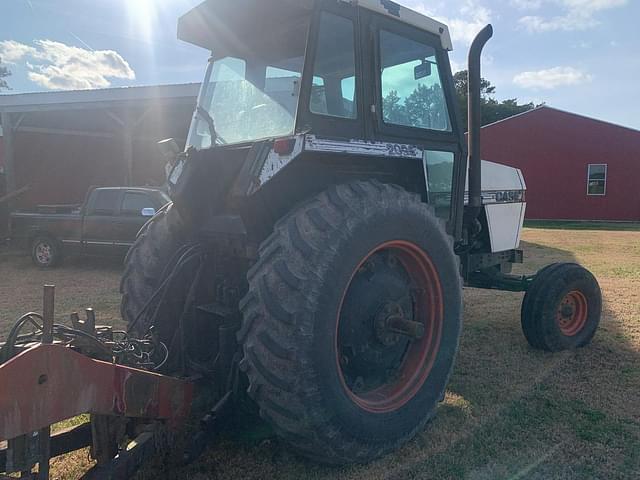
x,y
597,181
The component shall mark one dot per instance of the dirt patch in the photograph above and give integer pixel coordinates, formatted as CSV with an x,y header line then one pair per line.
x,y
81,282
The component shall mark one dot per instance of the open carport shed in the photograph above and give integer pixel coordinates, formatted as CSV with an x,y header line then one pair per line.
x,y
56,145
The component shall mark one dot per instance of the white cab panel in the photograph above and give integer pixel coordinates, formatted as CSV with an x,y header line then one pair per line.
x,y
505,225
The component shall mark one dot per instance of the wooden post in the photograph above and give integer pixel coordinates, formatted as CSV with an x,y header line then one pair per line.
x,y
44,435
128,156
125,129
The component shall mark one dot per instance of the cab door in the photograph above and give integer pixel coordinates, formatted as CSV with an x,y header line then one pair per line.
x,y
135,210
331,94
412,102
98,231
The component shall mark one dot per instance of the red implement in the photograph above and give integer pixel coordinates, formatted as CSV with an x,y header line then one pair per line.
x,y
50,383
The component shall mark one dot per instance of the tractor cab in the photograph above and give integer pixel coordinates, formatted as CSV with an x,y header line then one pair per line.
x,y
252,83
311,66
369,80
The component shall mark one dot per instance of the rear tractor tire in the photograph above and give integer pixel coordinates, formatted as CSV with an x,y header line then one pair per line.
x,y
352,322
562,308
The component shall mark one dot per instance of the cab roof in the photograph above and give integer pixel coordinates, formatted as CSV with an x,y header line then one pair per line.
x,y
411,17
225,22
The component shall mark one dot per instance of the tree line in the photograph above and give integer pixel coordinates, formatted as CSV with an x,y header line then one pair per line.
x,y
492,109
4,73
424,107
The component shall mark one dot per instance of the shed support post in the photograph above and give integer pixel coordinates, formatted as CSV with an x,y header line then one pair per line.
x,y
9,153
127,127
128,156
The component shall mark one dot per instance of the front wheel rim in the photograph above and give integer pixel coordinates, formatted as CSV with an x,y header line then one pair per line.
x,y
399,385
572,313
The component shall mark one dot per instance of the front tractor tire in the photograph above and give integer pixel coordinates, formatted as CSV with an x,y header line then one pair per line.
x,y
352,322
562,308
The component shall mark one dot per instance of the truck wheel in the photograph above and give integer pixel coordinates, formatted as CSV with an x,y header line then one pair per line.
x,y
352,322
145,264
562,308
46,252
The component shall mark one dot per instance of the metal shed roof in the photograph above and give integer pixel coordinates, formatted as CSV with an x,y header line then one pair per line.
x,y
94,99
124,114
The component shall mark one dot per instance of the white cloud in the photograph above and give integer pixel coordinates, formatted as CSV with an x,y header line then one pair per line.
x,y
470,19
569,22
474,17
12,51
551,78
578,15
58,66
526,4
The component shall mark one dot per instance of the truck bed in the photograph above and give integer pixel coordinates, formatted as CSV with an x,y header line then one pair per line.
x,y
26,225
58,209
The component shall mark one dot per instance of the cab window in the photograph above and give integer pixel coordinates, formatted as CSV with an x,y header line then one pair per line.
x,y
333,91
134,203
412,93
439,173
105,203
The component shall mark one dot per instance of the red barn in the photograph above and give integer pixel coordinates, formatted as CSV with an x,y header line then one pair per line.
x,y
576,168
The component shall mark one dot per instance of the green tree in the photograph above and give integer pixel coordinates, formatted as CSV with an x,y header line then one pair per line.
x,y
4,72
461,80
425,107
492,109
394,111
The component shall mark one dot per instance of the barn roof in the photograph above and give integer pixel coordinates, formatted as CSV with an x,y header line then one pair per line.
x,y
547,108
94,99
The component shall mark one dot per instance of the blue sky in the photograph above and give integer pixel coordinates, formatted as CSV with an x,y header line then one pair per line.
x,y
578,55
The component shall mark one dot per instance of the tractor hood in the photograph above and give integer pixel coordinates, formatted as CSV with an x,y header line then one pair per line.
x,y
504,204
500,180
235,27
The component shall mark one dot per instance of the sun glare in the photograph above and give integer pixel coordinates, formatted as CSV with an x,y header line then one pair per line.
x,y
142,15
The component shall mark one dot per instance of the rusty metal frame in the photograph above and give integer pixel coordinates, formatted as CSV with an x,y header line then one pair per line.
x,y
50,383
47,383
63,441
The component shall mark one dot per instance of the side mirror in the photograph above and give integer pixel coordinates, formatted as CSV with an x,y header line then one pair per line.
x,y
148,212
169,148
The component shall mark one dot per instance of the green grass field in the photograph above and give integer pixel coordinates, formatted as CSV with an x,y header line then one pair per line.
x,y
510,412
582,225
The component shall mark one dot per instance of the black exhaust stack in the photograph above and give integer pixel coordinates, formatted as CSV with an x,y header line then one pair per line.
x,y
475,122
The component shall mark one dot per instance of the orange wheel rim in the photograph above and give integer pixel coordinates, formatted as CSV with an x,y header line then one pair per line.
x,y
420,355
572,313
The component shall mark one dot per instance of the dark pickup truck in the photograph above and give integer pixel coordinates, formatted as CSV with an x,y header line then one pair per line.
x,y
107,223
